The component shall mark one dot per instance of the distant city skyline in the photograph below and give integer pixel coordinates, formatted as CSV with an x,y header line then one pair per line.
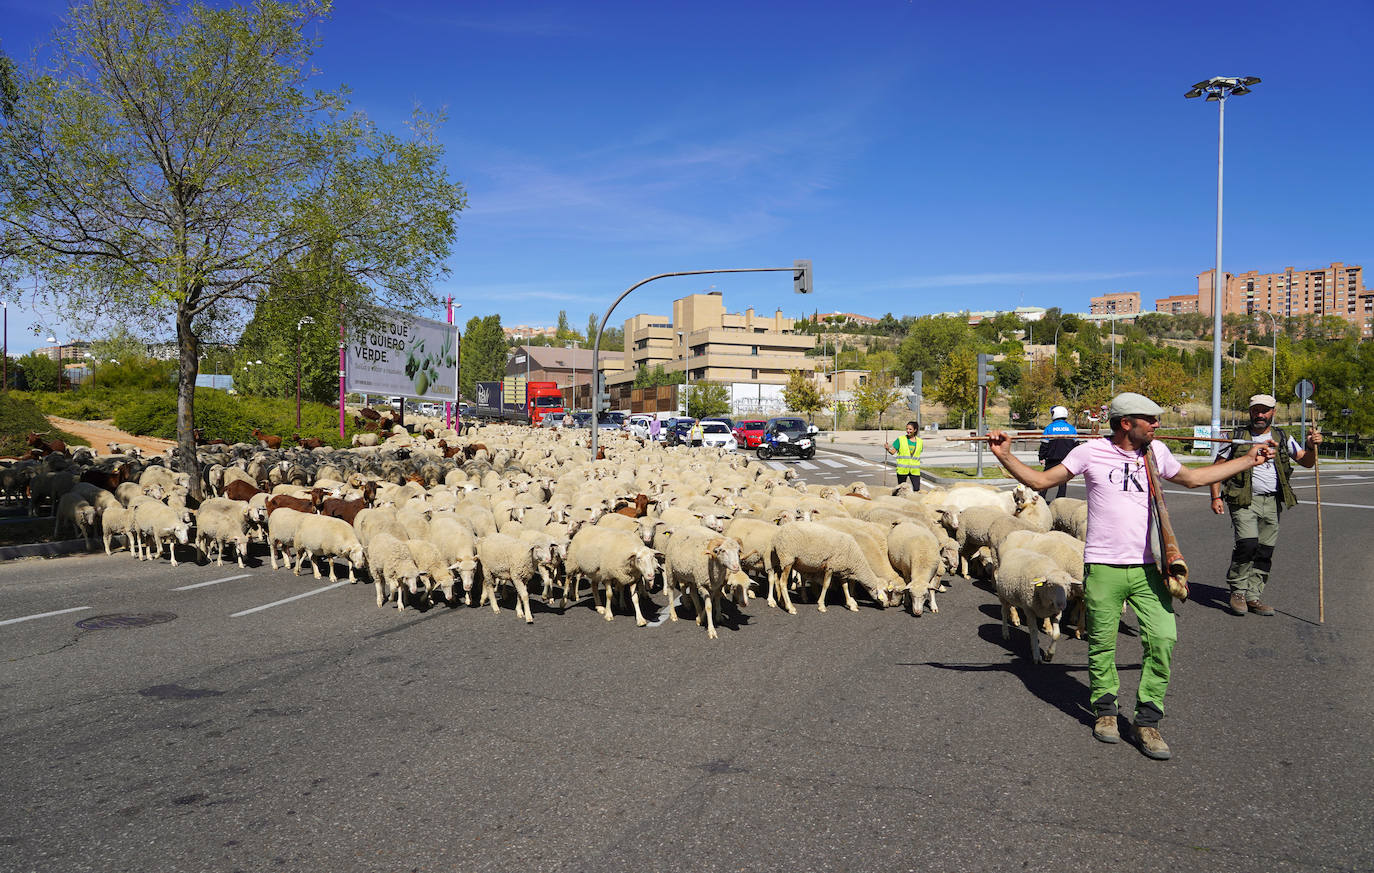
x,y
923,156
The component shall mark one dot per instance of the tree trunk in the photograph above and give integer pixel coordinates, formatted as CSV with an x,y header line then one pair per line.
x,y
188,345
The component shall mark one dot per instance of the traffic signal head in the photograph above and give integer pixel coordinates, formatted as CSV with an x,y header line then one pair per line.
x,y
801,278
984,369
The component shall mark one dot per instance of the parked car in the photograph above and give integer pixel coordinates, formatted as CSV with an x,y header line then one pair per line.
x,y
675,430
724,419
610,420
582,419
639,425
716,435
749,432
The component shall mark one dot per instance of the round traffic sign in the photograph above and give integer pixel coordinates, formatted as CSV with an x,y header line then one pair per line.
x,y
1304,389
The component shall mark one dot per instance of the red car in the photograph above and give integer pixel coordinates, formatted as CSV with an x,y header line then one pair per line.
x,y
749,433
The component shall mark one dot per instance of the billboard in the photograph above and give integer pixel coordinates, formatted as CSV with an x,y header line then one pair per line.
x,y
401,354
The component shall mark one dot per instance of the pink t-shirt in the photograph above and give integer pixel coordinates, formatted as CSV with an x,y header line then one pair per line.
x,y
1118,499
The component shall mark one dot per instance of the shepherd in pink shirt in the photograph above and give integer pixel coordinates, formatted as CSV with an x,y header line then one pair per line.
x,y
1119,565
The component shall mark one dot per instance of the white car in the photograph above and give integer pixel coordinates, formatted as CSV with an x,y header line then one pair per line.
x,y
639,425
716,434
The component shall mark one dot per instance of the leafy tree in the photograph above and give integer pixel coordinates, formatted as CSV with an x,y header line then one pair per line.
x,y
482,355
119,345
707,398
876,395
168,163
801,395
1164,382
1033,396
647,378
957,385
36,372
1008,371
929,343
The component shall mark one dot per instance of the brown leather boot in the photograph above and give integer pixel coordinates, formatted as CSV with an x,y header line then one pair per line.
x,y
1259,608
1151,744
1238,605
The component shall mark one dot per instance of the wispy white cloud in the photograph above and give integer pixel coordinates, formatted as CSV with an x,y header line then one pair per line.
x,y
954,280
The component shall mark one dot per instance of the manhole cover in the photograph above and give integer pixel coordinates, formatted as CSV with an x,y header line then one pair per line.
x,y
119,620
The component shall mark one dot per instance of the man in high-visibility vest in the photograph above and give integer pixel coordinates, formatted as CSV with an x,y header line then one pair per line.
x,y
908,451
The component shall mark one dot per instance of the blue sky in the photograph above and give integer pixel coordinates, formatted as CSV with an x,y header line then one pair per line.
x,y
925,156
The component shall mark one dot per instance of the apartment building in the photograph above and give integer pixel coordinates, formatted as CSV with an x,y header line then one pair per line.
x,y
1337,289
714,345
1117,303
1177,304
525,332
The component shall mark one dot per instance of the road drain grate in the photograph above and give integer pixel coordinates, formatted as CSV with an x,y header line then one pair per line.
x,y
120,620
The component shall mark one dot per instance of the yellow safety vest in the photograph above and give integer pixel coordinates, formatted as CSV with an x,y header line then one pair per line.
x,y
909,456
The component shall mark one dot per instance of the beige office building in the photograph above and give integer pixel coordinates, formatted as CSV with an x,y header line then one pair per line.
x,y
1118,303
714,345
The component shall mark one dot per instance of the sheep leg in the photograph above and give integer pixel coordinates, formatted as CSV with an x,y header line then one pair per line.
x,y
1006,621
784,576
696,602
1015,616
849,602
272,550
634,599
1033,628
490,591
330,561
712,607
522,592
171,551
378,583
825,586
930,593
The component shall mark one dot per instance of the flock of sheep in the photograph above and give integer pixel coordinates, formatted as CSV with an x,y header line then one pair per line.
x,y
510,509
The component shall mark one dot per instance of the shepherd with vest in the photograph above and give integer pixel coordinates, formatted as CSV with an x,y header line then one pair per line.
x,y
1256,498
908,451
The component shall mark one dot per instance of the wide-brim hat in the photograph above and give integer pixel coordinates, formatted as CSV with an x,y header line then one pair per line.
x,y
1264,400
1129,403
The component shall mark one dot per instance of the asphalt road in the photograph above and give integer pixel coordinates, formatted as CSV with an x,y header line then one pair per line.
x,y
323,733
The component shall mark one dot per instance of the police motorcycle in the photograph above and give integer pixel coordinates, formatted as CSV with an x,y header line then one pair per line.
x,y
781,442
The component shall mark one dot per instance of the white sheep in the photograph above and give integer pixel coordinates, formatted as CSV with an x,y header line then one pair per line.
x,y
119,520
221,520
811,548
321,536
76,512
459,549
616,559
510,559
392,568
1071,516
281,532
872,540
1031,583
427,556
701,562
914,551
158,523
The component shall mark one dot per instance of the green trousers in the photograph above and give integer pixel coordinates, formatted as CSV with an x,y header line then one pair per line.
x,y
1105,588
1257,531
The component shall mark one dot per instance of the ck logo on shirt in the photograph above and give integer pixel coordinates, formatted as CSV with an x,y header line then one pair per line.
x,y
1130,477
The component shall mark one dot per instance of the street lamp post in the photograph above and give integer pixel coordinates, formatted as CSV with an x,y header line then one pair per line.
x,y
1217,89
802,283
6,307
572,345
53,339
304,321
1274,353
686,374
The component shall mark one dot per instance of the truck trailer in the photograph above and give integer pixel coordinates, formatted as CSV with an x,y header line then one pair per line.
x,y
512,400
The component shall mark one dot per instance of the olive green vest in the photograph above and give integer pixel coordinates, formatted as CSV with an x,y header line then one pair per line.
x,y
1237,489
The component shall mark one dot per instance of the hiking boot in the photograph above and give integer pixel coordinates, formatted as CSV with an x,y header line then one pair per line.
x,y
1151,744
1105,730
1259,608
1238,605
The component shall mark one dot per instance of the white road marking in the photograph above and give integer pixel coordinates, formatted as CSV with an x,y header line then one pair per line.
x,y
212,582
43,615
1330,484
807,465
864,462
663,616
829,463
776,465
289,599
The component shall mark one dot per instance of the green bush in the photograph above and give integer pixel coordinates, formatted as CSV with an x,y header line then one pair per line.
x,y
20,416
232,417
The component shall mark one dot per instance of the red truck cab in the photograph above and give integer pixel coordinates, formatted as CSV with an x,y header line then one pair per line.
x,y
543,399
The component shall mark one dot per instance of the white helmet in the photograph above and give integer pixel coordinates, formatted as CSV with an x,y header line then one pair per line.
x,y
1058,412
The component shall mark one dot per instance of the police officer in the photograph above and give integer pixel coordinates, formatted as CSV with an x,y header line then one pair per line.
x,y
1256,499
1053,451
907,448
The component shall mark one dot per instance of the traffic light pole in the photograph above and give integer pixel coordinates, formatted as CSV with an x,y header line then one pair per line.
x,y
801,283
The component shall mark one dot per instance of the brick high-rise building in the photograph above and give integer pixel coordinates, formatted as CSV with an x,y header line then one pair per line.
x,y
1334,290
1178,304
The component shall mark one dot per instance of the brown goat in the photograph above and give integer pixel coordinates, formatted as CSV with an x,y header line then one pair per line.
x,y
109,480
270,440
286,501
237,489
338,507
308,442
638,509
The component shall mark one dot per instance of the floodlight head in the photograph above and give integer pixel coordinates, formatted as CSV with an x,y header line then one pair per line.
x,y
1196,92
1203,84
1213,97
1240,91
1250,80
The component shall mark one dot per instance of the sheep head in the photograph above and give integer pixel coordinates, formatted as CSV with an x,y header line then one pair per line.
x,y
726,551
